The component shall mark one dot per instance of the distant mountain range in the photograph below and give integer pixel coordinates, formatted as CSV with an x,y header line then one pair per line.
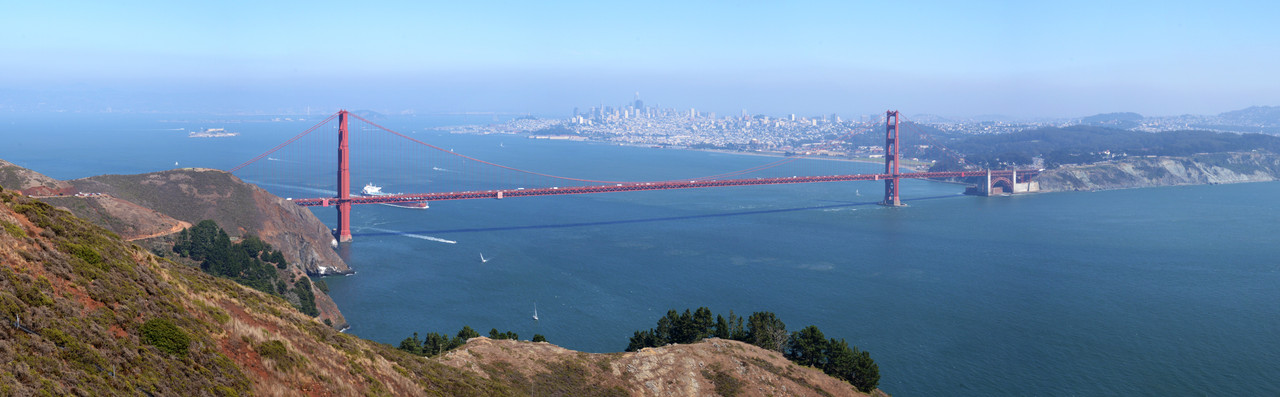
x,y
1261,115
1259,119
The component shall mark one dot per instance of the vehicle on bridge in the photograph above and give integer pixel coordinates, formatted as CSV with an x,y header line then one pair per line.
x,y
371,190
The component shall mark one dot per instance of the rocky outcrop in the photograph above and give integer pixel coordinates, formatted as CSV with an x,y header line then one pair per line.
x,y
710,367
1210,168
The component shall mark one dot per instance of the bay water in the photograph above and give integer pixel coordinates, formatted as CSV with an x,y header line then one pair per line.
x,y
1132,292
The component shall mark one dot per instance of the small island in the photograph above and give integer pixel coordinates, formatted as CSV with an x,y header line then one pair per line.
x,y
212,133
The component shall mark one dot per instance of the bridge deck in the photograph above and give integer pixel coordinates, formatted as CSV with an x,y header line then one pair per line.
x,y
632,187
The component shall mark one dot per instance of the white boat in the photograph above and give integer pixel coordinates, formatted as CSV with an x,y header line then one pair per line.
x,y
482,259
535,311
371,190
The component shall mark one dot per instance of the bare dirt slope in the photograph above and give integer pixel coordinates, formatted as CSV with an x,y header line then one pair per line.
x,y
711,367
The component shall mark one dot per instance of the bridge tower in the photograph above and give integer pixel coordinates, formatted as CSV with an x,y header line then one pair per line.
x,y
344,181
891,159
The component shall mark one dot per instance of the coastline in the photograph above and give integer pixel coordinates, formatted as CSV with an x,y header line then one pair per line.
x,y
913,164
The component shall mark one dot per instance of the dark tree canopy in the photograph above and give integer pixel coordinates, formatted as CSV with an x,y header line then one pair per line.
x,y
435,343
808,347
764,329
248,262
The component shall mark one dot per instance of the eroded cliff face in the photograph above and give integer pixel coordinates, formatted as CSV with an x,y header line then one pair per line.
x,y
1212,168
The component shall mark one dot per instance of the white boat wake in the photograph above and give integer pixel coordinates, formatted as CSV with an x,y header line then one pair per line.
x,y
417,236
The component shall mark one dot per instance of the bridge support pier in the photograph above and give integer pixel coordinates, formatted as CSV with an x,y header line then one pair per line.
x,y
891,160
344,181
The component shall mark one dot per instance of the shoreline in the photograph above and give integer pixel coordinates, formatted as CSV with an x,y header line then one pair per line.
x,y
912,164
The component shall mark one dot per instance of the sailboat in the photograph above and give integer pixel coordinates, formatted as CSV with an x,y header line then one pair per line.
x,y
535,311
482,259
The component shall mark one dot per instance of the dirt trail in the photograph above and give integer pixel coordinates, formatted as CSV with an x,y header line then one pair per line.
x,y
174,229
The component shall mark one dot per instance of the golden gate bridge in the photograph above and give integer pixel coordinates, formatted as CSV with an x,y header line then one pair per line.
x,y
343,200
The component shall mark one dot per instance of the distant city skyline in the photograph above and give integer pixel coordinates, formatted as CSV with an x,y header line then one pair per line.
x,y
807,58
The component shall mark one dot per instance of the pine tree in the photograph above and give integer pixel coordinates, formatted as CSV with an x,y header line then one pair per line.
x,y
808,347
866,374
722,327
765,330
412,345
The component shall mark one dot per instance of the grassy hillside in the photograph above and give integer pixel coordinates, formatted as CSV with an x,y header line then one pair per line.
x,y
157,205
129,220
192,195
17,178
86,313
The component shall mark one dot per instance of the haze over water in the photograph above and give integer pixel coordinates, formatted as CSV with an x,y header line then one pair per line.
x,y
1147,291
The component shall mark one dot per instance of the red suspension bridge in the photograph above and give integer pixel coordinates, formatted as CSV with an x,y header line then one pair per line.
x,y
343,200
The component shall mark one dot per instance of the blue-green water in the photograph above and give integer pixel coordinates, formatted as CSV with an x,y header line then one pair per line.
x,y
1148,291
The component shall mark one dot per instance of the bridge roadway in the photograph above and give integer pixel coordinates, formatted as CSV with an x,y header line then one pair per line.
x,y
640,186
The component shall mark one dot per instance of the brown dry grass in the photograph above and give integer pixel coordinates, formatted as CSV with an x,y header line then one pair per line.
x,y
680,370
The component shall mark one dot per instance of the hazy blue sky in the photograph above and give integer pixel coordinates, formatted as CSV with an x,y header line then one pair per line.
x,y
950,58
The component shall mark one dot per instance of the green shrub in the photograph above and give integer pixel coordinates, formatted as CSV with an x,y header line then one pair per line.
x,y
726,384
86,254
13,229
276,351
165,336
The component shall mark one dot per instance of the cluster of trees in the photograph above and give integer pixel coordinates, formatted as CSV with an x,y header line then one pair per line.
x,y
835,357
762,329
250,262
435,343
806,347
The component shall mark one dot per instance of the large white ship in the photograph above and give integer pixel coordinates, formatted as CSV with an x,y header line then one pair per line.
x,y
371,190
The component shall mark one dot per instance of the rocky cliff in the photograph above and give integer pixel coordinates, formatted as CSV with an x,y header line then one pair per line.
x,y
1210,168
